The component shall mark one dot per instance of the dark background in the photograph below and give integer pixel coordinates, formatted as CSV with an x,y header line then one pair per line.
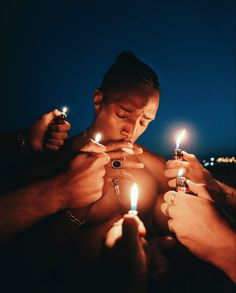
x,y
54,53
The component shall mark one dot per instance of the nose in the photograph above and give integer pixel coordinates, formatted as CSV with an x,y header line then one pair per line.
x,y
129,129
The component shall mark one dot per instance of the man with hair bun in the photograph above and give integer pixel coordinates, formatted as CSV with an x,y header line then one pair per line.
x,y
71,241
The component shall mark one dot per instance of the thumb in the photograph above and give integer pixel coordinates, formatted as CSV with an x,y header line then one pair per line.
x,y
130,235
91,146
199,189
191,158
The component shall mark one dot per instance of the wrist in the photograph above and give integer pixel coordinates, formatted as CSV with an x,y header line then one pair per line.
x,y
52,195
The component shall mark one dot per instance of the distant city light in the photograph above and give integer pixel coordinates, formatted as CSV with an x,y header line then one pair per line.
x,y
226,160
221,160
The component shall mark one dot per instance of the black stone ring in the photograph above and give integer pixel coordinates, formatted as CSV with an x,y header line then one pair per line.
x,y
116,164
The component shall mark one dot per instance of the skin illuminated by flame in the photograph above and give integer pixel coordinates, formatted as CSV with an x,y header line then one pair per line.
x,y
98,137
64,110
180,172
134,196
180,138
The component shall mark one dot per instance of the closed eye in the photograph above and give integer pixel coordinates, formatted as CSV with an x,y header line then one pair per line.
x,y
121,115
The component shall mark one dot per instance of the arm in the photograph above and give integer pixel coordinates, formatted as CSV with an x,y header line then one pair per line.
x,y
201,228
38,136
221,193
80,186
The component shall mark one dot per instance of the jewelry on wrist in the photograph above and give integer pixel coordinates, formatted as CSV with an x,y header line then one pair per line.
x,y
22,143
73,219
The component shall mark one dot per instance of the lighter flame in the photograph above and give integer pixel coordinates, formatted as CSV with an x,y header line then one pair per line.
x,y
134,197
180,172
64,110
180,138
98,137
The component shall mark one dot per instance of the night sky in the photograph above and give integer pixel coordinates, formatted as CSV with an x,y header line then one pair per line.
x,y
54,53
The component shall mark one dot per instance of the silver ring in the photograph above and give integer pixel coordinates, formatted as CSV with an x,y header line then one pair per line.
x,y
116,164
172,198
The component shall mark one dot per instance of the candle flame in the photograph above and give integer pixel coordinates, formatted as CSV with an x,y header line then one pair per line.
x,y
98,137
64,110
180,172
134,196
180,138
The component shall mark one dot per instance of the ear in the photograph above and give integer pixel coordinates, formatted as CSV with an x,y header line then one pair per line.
x,y
97,99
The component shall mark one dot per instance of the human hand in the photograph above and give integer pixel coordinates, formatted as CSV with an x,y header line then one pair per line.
x,y
119,152
44,135
82,184
198,225
193,170
125,245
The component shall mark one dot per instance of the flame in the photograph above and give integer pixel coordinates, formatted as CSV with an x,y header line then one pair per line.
x,y
180,138
64,110
180,172
98,137
134,196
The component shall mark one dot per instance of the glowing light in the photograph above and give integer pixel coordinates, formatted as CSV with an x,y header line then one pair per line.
x,y
64,110
206,164
180,138
98,137
180,172
134,197
212,163
212,159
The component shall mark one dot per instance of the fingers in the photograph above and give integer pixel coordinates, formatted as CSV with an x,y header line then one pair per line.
x,y
125,152
92,147
113,146
54,142
172,197
51,148
192,159
141,227
170,173
129,228
199,189
168,210
127,164
114,234
60,127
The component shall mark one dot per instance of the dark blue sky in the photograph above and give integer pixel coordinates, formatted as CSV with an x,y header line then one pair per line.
x,y
54,53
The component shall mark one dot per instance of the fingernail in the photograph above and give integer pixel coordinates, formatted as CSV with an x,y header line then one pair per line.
x,y
129,151
130,145
140,150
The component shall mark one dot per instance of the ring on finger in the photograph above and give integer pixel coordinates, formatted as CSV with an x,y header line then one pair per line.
x,y
116,164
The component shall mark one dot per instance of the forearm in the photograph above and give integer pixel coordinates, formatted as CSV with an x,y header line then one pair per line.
x,y
13,141
24,208
229,192
225,258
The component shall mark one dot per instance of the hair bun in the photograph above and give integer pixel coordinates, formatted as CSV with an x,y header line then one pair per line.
x,y
127,57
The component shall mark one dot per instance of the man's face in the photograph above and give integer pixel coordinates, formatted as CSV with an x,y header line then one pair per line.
x,y
125,116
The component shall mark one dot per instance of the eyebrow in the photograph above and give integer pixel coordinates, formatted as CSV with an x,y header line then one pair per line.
x,y
130,110
127,109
